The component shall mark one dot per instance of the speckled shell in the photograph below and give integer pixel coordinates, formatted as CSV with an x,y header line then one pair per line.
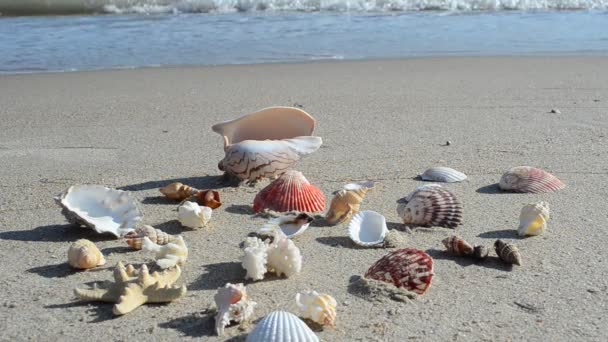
x,y
407,268
83,254
457,246
507,252
281,326
178,191
290,192
346,202
367,228
430,206
533,219
135,238
443,174
529,179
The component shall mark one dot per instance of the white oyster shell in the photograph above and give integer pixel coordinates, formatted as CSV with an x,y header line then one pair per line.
x,y
191,215
443,174
103,209
367,228
281,326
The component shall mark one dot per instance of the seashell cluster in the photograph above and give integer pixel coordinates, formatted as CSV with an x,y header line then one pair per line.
x,y
291,224
135,238
458,246
407,268
346,202
368,229
103,209
507,252
83,254
290,192
533,219
430,205
443,174
193,216
281,326
169,255
320,308
179,192
281,257
233,305
529,179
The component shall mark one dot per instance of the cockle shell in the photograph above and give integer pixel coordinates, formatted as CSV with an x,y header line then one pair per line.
x,y
281,326
406,268
320,308
178,191
290,192
83,254
457,246
346,202
103,209
291,224
529,179
255,258
507,252
192,215
135,238
533,219
169,255
367,228
233,305
430,206
443,174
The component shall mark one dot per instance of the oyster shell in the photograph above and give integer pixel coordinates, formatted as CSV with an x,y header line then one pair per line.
x,y
83,254
367,228
529,179
281,326
193,216
320,308
443,174
533,219
346,202
233,305
290,192
430,205
407,268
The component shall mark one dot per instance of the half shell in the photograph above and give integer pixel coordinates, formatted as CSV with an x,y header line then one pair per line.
x,y
290,192
443,174
83,254
367,228
346,202
430,206
533,219
103,209
407,268
282,326
529,179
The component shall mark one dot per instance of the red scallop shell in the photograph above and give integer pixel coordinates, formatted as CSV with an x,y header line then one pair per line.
x,y
290,192
409,268
530,179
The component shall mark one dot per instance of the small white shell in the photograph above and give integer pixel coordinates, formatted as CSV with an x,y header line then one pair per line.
x,y
191,215
255,258
281,326
320,308
284,258
533,219
291,225
443,174
367,228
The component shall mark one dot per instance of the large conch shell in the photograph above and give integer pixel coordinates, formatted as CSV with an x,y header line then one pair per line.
x,y
135,238
533,219
530,179
281,326
346,202
290,192
266,143
320,308
83,254
169,255
233,305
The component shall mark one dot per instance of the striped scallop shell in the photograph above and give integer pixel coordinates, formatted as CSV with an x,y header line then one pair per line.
x,y
533,219
457,246
443,174
290,192
529,179
407,268
507,252
430,206
135,238
367,228
281,326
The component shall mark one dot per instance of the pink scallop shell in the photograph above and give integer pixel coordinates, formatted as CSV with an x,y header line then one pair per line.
x,y
290,192
409,268
530,179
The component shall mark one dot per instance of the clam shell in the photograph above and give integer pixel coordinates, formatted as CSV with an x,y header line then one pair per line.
x,y
507,252
443,174
407,268
367,228
103,209
533,219
457,246
135,238
281,326
290,192
346,202
529,179
83,254
430,206
291,224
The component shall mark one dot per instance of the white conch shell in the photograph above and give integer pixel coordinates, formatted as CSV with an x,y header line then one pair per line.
x,y
255,258
533,219
283,256
169,255
191,215
233,304
443,174
291,224
346,202
84,254
321,308
103,209
281,326
367,228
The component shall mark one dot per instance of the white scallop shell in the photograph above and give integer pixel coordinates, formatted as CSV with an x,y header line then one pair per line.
x,y
367,228
281,326
443,174
103,209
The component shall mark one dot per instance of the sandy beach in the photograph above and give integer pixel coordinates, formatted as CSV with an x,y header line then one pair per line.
x,y
385,121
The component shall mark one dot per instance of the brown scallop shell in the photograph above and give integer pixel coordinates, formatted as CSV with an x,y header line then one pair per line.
x,y
290,192
529,179
407,268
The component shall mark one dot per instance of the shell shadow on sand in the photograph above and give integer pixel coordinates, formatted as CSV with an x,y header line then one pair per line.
x,y
56,233
217,275
501,234
491,262
102,311
194,325
240,209
339,241
491,189
53,271
204,182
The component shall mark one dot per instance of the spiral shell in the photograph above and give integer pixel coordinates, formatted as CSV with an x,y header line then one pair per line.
x,y
533,219
346,202
407,268
529,179
178,191
507,252
457,246
135,238
430,206
83,254
290,192
443,174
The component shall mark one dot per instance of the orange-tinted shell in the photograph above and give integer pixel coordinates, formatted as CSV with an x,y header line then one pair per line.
x,y
178,191
208,198
290,192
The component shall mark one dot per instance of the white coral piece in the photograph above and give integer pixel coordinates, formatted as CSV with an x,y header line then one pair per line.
x,y
255,258
169,255
321,308
283,256
191,215
233,304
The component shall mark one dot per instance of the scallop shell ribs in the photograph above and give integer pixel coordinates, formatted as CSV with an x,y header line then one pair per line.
x,y
407,268
430,206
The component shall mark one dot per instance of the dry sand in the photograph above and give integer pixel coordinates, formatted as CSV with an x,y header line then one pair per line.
x,y
380,120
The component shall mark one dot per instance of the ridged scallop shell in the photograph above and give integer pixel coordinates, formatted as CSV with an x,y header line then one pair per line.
x,y
430,206
346,202
533,219
281,326
83,254
367,228
103,209
135,238
407,268
529,179
443,174
320,308
457,246
507,252
290,192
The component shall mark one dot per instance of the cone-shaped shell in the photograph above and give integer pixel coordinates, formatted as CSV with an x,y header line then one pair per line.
x,y
290,192
430,206
367,228
135,238
507,252
346,202
83,254
533,219
177,191
443,174
407,268
281,326
457,246
529,179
